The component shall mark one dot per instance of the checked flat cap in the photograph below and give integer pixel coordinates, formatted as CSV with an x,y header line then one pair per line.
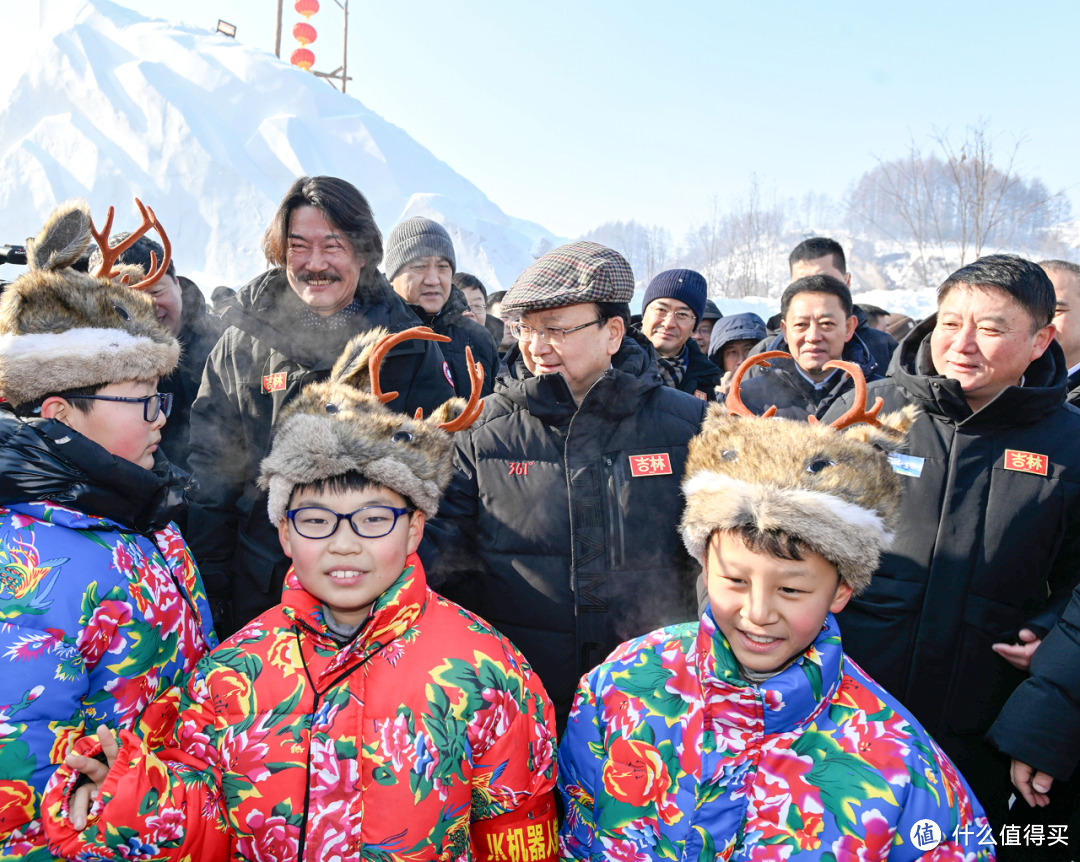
x,y
570,274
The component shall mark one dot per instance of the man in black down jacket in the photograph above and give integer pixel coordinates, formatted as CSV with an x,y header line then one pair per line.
x,y
817,326
561,525
285,330
420,264
989,533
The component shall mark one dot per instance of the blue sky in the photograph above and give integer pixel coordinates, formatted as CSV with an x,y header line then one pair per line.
x,y
576,112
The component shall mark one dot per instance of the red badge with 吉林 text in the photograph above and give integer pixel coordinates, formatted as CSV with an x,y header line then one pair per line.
x,y
1026,462
650,465
274,382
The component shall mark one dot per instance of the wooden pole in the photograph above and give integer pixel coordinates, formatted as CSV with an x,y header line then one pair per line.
x,y
277,37
345,50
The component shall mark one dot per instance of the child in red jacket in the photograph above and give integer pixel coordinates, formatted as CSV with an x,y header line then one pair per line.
x,y
365,716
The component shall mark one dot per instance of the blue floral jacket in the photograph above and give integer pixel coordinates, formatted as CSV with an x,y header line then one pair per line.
x,y
670,754
96,621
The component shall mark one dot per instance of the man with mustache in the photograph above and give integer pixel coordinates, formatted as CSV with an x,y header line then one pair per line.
x,y
286,328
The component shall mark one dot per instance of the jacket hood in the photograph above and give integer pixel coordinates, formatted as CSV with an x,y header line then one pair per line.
x,y
736,327
912,369
42,459
616,395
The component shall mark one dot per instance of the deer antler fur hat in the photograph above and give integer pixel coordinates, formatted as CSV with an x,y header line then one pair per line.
x,y
832,490
62,329
343,425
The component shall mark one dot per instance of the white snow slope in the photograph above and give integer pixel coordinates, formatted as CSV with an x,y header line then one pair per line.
x,y
210,132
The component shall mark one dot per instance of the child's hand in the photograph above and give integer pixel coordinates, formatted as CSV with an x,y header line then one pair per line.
x,y
96,771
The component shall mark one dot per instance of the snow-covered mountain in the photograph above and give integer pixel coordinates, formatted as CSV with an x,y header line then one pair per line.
x,y
210,132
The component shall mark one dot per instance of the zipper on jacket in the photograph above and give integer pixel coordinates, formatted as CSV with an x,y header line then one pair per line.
x,y
614,480
311,726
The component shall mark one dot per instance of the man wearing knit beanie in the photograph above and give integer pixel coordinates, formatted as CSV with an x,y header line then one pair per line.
x,y
420,264
674,305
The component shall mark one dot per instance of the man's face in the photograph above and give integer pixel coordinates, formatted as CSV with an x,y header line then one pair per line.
x,y
824,265
583,357
769,610
1067,319
816,330
703,334
477,309
668,324
345,571
320,263
425,281
983,339
735,352
168,303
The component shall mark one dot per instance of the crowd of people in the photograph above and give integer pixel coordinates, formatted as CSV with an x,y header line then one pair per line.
x,y
609,586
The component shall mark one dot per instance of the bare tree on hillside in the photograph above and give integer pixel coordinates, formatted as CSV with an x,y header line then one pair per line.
x,y
958,206
752,231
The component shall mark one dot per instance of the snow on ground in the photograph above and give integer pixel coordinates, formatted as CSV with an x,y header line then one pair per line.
x,y
210,132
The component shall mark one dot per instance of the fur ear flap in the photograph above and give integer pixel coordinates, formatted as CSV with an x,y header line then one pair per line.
x,y
448,411
351,367
890,436
63,239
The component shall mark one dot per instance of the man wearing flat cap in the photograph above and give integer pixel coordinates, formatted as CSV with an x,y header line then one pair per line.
x,y
560,525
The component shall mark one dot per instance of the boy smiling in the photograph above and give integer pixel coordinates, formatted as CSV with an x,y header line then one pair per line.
x,y
365,716
750,735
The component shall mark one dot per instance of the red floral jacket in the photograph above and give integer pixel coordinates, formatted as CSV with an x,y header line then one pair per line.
x,y
427,737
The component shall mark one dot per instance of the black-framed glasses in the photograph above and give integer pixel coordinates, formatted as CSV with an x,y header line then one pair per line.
x,y
159,402
548,334
371,522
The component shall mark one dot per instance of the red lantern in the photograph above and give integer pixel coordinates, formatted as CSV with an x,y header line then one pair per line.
x,y
307,8
303,58
304,33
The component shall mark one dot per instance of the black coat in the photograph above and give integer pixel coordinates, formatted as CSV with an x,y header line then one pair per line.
x,y
564,550
1074,389
794,396
1040,724
199,333
229,532
462,333
43,459
981,550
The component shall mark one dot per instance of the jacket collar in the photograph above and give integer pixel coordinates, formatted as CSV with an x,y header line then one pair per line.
x,y
793,697
43,459
614,396
267,309
451,312
1044,389
393,613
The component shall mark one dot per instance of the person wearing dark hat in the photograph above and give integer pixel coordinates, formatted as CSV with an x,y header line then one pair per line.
x,y
559,524
705,326
732,340
420,265
671,312
220,297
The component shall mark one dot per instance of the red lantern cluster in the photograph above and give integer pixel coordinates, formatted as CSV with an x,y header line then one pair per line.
x,y
305,34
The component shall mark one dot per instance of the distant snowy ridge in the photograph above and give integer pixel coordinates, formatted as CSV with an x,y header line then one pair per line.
x,y
210,132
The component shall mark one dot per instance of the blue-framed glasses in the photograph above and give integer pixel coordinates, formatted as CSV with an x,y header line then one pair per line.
x,y
371,522
159,402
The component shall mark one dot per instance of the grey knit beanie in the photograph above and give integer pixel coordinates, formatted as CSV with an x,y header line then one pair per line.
x,y
416,237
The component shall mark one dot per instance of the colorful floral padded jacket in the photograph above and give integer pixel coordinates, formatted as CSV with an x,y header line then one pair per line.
x,y
96,621
670,754
395,746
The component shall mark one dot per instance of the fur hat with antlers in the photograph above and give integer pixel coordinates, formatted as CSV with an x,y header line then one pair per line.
x,y
61,329
832,490
343,426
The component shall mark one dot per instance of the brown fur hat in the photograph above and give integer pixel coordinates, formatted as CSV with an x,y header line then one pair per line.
x,y
62,329
342,425
834,491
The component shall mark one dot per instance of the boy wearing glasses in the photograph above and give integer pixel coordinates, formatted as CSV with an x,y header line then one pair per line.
x,y
101,607
364,717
